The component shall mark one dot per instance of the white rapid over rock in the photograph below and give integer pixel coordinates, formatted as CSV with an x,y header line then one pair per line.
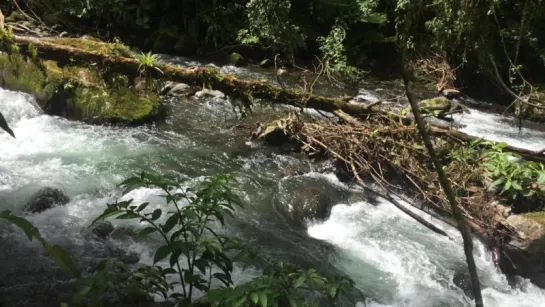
x,y
411,266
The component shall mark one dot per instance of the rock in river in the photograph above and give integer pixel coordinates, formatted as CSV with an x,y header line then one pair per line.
x,y
309,204
44,199
526,256
209,93
102,229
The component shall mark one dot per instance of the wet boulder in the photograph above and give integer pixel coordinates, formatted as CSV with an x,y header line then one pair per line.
x,y
45,199
463,281
275,133
272,133
175,89
309,204
209,93
525,256
102,229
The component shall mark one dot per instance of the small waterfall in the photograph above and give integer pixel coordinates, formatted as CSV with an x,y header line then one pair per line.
x,y
402,263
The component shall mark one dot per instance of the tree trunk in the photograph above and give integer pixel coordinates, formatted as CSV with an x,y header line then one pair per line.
x,y
244,89
446,186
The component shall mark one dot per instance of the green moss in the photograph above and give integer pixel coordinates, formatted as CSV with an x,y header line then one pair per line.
x,y
120,105
93,44
87,93
19,74
236,59
536,216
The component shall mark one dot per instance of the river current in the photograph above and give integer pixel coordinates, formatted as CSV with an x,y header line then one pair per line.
x,y
394,260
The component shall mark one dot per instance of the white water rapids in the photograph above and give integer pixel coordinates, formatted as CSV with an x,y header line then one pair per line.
x,y
394,260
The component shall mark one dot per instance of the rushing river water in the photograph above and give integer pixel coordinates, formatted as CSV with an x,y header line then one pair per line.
x,y
394,260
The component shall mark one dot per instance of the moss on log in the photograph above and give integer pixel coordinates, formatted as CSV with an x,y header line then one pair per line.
x,y
62,51
76,91
115,57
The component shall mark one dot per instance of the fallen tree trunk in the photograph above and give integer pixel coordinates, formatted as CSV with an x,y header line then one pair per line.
x,y
245,89
195,76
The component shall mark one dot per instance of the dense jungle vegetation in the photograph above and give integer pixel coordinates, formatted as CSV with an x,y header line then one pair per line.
x,y
490,48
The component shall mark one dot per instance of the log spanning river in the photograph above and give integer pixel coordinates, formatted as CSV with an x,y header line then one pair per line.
x,y
394,260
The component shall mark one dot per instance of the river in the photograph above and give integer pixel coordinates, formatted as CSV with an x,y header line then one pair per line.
x,y
394,260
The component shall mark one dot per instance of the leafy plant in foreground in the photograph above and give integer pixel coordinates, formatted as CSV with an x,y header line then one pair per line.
x,y
195,257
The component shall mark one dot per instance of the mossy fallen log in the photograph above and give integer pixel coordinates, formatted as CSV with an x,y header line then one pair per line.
x,y
116,58
58,50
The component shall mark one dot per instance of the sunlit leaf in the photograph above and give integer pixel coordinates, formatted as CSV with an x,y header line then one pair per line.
x,y
254,297
263,299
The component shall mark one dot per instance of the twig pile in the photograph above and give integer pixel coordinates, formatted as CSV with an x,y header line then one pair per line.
x,y
387,152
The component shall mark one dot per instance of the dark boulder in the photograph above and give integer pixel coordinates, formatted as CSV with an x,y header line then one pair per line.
x,y
463,281
309,204
45,199
525,256
102,229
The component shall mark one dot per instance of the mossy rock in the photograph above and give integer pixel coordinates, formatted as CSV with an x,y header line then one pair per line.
x,y
15,16
79,93
236,59
536,216
438,107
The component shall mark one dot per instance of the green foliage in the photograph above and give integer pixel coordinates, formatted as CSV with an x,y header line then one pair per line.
x,y
332,46
194,255
147,62
516,178
281,283
270,23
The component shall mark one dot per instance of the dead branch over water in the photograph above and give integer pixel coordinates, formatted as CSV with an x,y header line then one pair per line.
x,y
387,153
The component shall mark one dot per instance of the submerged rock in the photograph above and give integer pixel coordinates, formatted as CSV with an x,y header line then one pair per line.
x,y
309,204
526,257
44,199
463,281
102,229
